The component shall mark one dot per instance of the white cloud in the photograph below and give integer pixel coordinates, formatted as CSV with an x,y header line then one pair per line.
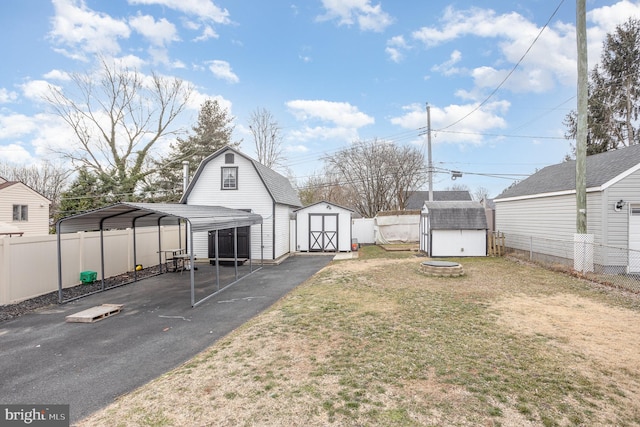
x,y
159,33
348,12
468,131
15,153
207,33
7,96
326,120
447,68
79,30
57,75
395,47
206,10
222,70
35,89
341,114
14,126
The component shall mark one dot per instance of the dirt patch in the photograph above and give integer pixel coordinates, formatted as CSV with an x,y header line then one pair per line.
x,y
603,333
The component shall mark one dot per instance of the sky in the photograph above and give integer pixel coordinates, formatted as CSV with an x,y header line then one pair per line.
x,y
499,76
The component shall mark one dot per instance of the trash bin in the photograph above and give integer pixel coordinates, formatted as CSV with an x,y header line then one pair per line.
x,y
354,245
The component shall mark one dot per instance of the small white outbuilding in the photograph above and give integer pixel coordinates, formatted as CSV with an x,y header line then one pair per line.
x,y
323,227
453,229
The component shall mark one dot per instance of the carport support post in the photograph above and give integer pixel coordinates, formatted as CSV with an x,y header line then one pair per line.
x,y
215,244
102,254
235,250
59,263
191,266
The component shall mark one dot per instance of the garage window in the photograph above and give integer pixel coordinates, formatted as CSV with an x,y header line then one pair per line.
x,y
229,178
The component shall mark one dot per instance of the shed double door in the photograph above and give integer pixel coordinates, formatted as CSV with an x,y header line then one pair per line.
x,y
226,246
323,232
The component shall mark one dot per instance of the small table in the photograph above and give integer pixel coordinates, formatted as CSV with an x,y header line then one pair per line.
x,y
181,261
171,258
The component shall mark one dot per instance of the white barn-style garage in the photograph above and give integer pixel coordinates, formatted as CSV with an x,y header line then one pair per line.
x,y
323,227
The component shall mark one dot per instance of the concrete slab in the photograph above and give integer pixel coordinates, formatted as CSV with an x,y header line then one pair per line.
x,y
45,360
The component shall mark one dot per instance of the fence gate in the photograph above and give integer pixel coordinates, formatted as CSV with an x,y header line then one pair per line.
x,y
323,232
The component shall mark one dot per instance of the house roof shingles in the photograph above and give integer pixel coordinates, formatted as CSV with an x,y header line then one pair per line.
x,y
417,198
456,215
601,168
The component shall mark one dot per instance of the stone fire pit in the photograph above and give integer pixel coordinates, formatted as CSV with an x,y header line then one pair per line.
x,y
442,268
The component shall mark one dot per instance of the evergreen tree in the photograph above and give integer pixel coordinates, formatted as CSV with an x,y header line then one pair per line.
x,y
211,133
88,191
614,93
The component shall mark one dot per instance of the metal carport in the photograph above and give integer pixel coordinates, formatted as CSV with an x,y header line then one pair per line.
x,y
132,215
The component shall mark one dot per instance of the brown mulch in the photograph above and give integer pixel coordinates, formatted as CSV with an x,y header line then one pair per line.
x,y
12,311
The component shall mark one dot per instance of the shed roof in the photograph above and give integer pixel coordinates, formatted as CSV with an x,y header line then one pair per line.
x,y
417,198
603,170
326,203
277,185
126,215
456,215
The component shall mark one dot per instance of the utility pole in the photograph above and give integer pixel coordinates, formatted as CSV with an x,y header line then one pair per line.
x,y
430,163
581,131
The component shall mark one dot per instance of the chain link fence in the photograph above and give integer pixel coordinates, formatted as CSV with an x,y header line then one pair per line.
x,y
608,265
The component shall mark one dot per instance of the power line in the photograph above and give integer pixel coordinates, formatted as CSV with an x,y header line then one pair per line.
x,y
508,75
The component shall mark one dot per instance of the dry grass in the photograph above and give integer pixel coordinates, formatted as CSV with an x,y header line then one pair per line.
x,y
373,341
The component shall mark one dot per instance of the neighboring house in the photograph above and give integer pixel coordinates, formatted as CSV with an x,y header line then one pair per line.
x,y
417,198
453,228
544,206
23,211
323,227
231,179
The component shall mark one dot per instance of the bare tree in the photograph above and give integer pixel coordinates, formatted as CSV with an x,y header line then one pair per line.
x,y
46,178
267,138
481,194
377,176
117,117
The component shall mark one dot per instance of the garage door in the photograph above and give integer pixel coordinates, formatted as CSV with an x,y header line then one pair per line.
x,y
323,232
634,240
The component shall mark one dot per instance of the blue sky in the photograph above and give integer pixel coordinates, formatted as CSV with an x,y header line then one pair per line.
x,y
329,71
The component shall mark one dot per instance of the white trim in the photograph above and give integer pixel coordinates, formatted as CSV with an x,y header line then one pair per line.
x,y
620,177
541,195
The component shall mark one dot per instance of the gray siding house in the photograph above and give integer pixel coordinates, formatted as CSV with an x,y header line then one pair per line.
x,y
234,180
543,206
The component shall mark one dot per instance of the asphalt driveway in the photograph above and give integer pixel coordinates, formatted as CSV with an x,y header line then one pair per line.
x,y
45,360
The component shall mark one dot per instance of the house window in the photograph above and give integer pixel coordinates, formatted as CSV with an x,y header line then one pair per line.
x,y
229,178
20,213
228,158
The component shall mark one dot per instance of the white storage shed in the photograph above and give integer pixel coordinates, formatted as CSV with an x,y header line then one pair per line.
x,y
323,227
457,229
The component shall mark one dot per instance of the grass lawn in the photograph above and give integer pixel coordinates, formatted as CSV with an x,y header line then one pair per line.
x,y
374,341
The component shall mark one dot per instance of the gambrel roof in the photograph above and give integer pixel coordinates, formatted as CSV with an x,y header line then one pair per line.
x,y
603,170
456,215
277,186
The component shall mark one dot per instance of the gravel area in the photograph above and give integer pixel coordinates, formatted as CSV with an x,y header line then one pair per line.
x,y
11,311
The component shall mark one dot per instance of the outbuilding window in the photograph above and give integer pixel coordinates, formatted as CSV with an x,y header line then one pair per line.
x,y
20,213
229,178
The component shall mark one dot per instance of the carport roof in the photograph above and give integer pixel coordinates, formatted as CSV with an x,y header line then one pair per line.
x,y
126,215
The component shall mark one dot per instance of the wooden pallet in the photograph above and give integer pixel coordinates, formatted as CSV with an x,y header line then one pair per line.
x,y
95,314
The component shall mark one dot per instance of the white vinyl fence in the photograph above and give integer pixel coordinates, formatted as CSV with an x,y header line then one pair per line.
x,y
29,265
